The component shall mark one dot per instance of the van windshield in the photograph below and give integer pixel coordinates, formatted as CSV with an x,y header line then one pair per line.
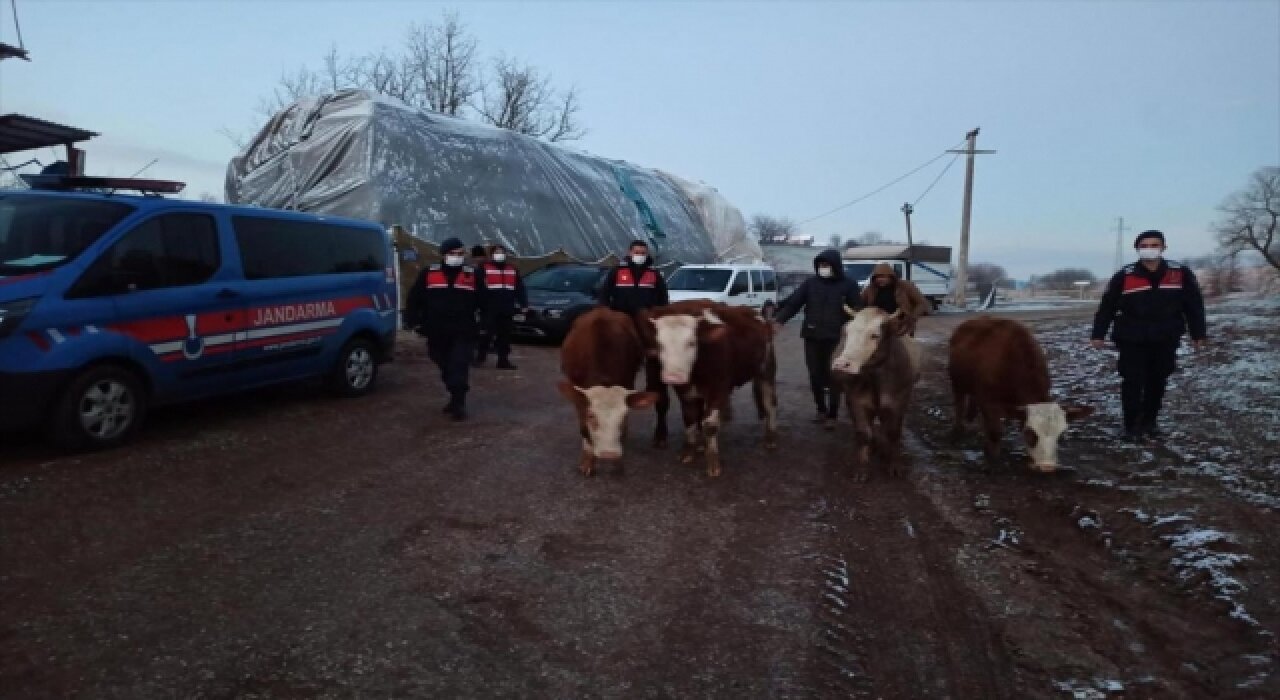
x,y
858,271
40,232
689,279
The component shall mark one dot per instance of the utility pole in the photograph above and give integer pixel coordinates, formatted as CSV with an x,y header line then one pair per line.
x,y
1120,228
907,209
962,268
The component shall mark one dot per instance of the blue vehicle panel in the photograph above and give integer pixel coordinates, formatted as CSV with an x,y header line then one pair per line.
x,y
160,286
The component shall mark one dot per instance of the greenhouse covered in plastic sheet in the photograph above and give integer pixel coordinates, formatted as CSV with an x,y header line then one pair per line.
x,y
357,154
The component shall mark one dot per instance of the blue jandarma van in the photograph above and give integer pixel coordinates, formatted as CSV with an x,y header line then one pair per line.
x,y
113,304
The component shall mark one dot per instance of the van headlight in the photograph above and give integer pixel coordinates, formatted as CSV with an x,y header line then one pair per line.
x,y
12,313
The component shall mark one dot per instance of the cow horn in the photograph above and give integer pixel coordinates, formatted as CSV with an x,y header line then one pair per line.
x,y
850,311
710,317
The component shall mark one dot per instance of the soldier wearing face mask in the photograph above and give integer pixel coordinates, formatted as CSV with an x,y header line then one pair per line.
x,y
505,295
442,306
823,298
1151,303
634,284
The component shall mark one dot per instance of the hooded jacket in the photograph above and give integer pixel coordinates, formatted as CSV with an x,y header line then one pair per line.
x,y
906,296
823,300
629,288
1151,306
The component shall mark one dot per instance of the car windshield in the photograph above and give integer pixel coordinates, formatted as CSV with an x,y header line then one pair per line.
x,y
40,232
564,279
690,279
858,271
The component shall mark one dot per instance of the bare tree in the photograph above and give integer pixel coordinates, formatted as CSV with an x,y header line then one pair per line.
x,y
442,60
209,197
986,274
836,240
521,99
1250,217
1065,278
771,229
438,68
871,238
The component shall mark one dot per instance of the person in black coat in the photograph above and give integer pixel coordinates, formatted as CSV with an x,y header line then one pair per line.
x,y
505,294
634,284
1149,305
442,306
823,298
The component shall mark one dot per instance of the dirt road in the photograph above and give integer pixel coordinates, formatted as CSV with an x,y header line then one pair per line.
x,y
285,545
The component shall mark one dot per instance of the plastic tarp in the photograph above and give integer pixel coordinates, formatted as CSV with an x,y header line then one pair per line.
x,y
357,154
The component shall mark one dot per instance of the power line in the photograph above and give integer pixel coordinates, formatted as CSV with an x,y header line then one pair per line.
x,y
882,188
17,27
935,180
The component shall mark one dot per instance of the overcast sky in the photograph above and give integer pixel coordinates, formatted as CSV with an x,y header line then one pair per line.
x,y
1154,111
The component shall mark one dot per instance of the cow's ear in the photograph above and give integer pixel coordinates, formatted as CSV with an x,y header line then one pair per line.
x,y
642,399
1078,412
1021,414
647,326
569,391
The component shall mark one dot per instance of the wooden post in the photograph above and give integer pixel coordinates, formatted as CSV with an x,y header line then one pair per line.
x,y
962,265
906,211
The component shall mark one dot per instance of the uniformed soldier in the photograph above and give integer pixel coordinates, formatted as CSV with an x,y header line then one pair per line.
x,y
505,295
442,306
634,284
1152,303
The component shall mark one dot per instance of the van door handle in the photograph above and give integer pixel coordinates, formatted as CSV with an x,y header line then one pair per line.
x,y
228,294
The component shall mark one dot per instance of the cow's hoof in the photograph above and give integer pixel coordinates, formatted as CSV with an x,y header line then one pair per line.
x,y
686,457
771,443
713,470
861,476
588,471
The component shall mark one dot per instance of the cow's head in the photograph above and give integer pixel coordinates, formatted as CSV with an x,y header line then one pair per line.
x,y
865,340
1042,425
603,410
677,336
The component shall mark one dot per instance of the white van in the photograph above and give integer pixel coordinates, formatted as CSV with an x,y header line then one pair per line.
x,y
754,284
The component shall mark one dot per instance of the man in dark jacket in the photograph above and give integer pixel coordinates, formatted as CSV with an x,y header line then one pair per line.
x,y
634,284
505,295
1151,303
629,288
823,298
442,306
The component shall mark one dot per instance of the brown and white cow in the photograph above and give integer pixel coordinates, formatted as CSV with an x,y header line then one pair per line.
x,y
998,370
877,366
706,350
600,357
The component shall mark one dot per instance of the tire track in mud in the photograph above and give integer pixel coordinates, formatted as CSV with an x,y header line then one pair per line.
x,y
897,618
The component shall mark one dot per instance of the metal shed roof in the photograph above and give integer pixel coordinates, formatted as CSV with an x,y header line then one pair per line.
x,y
22,133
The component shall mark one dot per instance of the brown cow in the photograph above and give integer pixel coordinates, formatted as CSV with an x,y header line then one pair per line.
x,y
877,366
706,350
998,370
600,357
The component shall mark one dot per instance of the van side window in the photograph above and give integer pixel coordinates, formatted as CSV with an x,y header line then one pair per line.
x,y
739,285
170,250
283,248
757,281
770,281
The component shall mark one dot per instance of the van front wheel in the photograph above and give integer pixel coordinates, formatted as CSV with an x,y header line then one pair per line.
x,y
101,408
357,368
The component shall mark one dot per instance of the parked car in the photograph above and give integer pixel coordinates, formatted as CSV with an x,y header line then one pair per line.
x,y
754,285
558,294
112,305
